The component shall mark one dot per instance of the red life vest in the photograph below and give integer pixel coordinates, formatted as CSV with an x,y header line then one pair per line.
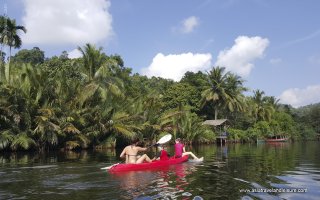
x,y
164,155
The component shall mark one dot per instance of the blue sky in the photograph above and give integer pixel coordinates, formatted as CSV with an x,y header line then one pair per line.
x,y
272,44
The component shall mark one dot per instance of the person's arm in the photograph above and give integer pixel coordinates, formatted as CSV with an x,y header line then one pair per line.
x,y
123,153
184,149
142,148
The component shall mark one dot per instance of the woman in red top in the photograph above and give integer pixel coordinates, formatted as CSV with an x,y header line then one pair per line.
x,y
181,151
163,154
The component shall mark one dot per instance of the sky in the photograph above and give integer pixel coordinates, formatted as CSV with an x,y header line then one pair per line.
x,y
274,45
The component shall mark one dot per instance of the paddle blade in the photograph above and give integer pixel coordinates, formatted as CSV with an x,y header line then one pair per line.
x,y
103,168
165,139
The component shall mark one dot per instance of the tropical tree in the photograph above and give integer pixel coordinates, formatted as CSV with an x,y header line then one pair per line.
x,y
274,102
33,56
187,125
100,82
181,93
93,59
150,112
47,129
260,107
223,91
9,36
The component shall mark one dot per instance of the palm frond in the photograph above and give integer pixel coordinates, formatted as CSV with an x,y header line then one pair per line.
x,y
22,140
6,137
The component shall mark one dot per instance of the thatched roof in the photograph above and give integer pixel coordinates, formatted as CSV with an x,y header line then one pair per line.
x,y
214,122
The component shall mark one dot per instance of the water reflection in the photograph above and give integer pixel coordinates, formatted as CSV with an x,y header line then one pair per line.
x,y
169,182
226,171
56,156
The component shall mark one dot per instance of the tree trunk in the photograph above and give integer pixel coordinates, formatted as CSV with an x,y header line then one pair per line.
x,y
2,67
215,114
9,65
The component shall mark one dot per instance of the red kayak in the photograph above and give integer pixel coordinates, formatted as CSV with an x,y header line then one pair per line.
x,y
147,166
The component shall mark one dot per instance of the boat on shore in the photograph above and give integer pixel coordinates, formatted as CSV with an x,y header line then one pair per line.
x,y
277,138
147,166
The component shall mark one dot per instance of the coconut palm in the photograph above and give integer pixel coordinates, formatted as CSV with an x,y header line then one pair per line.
x,y
93,59
261,109
224,91
185,124
274,102
100,81
234,89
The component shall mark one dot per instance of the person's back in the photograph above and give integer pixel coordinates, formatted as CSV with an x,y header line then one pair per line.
x,y
131,153
180,151
164,155
178,148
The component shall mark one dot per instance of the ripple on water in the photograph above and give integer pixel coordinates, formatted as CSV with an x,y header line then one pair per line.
x,y
59,180
302,182
39,167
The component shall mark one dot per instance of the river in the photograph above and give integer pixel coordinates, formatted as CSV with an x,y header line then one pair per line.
x,y
241,171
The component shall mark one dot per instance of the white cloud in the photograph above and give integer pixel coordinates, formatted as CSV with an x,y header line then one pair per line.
x,y
275,61
240,56
75,53
189,24
301,97
174,66
66,22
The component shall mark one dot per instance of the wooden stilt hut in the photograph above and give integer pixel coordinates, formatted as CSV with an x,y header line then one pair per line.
x,y
220,126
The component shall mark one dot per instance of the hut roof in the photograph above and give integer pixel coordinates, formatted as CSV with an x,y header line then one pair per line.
x,y
214,122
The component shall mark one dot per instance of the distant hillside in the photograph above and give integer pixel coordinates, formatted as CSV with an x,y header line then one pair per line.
x,y
308,117
308,108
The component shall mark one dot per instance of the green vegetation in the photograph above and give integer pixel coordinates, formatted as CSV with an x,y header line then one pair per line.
x,y
57,102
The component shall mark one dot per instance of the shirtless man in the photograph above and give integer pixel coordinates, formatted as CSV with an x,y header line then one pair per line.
x,y
131,154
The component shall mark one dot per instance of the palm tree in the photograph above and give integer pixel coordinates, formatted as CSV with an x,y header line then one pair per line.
x,y
97,66
260,107
224,91
47,129
3,22
185,124
274,102
9,35
234,89
93,59
22,140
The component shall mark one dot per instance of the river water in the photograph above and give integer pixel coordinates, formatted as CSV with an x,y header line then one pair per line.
x,y
246,171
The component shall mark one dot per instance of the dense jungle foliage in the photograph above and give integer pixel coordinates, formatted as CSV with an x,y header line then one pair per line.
x,y
95,101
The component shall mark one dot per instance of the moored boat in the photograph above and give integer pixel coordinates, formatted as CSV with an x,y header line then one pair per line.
x,y
147,166
277,138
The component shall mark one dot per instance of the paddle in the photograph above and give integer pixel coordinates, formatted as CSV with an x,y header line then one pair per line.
x,y
162,140
110,166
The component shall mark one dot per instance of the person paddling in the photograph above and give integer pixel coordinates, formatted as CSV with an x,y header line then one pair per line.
x,y
180,151
163,154
131,153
